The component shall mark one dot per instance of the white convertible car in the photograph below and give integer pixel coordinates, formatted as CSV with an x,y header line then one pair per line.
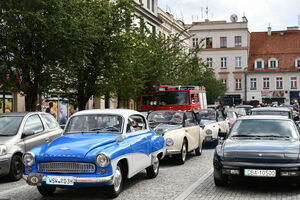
x,y
180,130
212,122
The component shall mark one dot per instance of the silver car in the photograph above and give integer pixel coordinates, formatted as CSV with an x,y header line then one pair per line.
x,y
20,132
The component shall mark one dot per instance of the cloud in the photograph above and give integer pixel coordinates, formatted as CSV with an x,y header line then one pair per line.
x,y
279,13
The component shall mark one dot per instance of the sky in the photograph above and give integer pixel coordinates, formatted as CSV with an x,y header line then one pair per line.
x,y
260,13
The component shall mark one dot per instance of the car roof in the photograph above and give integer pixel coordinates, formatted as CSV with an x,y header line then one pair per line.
x,y
124,112
273,117
244,106
283,109
18,114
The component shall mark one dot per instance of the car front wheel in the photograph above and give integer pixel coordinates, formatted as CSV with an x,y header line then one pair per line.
x,y
115,189
16,168
46,191
153,170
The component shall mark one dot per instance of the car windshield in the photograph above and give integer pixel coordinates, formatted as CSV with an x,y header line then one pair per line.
x,y
205,122
171,98
281,113
207,114
101,123
9,125
264,128
166,117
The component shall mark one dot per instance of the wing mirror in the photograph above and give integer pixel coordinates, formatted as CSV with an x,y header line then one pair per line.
x,y
119,139
27,133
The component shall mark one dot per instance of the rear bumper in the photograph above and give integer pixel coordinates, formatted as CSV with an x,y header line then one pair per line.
x,y
40,179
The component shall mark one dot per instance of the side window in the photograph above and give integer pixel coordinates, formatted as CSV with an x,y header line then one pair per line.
x,y
50,121
190,119
34,124
136,123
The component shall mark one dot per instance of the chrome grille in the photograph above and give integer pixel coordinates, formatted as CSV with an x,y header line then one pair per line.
x,y
67,168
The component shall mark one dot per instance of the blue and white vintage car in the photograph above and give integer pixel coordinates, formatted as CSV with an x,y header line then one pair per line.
x,y
98,148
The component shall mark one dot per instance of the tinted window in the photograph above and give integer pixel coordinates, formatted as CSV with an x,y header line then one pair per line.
x,y
34,124
172,98
50,121
9,125
264,127
95,123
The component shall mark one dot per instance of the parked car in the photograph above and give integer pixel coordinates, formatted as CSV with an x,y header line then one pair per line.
x,y
180,130
260,146
273,111
20,132
98,148
212,122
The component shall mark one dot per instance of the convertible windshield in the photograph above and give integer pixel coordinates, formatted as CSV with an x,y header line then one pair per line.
x,y
9,125
264,128
207,114
167,117
95,123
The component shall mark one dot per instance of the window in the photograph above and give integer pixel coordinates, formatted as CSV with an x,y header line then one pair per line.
x,y
273,63
209,43
141,1
224,81
238,62
34,124
266,83
209,62
297,63
279,83
223,42
223,62
294,83
238,41
136,123
148,4
259,64
238,84
253,84
50,121
152,8
195,42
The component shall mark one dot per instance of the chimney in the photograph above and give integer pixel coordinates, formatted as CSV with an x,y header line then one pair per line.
x,y
269,31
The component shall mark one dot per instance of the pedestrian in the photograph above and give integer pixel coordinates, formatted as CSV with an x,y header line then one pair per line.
x,y
51,109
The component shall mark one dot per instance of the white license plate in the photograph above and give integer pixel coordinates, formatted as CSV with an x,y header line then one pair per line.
x,y
260,173
59,180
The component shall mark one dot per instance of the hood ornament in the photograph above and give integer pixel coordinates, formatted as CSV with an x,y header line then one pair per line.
x,y
65,148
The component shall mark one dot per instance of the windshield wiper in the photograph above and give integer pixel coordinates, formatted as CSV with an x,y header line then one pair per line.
x,y
275,136
6,135
244,135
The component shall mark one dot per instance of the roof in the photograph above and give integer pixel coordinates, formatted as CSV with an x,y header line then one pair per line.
x,y
271,117
282,45
124,112
17,114
281,109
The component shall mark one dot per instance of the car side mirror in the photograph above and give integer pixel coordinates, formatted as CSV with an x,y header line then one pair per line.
x,y
27,133
222,135
119,139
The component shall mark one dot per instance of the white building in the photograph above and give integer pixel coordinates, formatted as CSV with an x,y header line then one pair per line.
x,y
225,49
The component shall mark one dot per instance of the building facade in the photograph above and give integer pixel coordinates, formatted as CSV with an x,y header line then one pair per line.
x,y
225,48
274,66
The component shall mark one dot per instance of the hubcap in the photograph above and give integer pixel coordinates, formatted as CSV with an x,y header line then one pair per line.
x,y
117,179
156,165
18,168
183,152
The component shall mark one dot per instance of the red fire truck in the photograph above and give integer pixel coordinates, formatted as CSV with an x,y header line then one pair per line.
x,y
167,97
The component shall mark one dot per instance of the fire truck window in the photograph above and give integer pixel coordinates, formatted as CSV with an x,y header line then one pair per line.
x,y
172,98
146,100
195,98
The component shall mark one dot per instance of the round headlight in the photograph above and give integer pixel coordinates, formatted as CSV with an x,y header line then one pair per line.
x,y
169,142
102,160
208,132
28,159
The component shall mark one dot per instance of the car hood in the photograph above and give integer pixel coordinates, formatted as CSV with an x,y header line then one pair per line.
x,y
7,139
163,128
260,150
78,145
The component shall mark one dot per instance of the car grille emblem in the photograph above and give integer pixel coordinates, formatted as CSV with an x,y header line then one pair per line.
x,y
64,148
260,155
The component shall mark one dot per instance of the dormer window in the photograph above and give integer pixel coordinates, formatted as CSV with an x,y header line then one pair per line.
x,y
297,63
273,63
259,64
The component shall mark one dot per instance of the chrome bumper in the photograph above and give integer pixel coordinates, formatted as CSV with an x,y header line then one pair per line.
x,y
172,152
79,180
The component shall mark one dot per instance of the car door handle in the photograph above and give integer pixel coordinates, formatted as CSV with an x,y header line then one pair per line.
x,y
186,131
47,140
